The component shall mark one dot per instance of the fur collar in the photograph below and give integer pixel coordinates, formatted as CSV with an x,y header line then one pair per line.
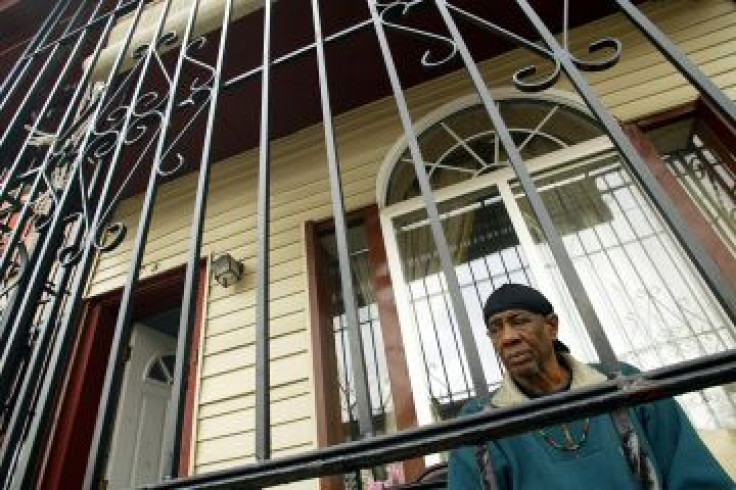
x,y
582,375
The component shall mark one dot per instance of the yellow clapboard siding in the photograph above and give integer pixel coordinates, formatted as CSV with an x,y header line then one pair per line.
x,y
244,356
296,433
282,411
245,318
242,381
280,306
677,96
656,84
242,295
224,227
233,462
239,403
246,335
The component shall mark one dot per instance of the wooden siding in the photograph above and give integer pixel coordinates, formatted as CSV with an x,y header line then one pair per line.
x,y
641,84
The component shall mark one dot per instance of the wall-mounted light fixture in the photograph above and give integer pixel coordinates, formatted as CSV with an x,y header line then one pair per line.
x,y
227,270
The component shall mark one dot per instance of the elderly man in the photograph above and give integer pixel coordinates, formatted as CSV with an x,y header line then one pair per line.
x,y
584,454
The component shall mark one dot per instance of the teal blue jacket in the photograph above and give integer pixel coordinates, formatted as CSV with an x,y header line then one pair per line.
x,y
528,462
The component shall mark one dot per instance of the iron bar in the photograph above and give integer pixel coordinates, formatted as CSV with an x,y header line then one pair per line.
x,y
674,55
474,429
63,128
24,471
463,322
23,111
355,340
557,247
20,313
12,437
13,431
113,375
121,9
238,79
47,251
703,262
173,438
567,269
22,64
263,371
44,257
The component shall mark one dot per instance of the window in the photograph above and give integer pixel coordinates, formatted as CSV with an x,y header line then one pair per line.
x,y
649,298
703,161
388,381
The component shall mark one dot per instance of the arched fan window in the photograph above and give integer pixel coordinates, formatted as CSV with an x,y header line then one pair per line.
x,y
161,369
464,144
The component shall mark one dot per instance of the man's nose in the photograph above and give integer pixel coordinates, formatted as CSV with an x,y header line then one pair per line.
x,y
508,334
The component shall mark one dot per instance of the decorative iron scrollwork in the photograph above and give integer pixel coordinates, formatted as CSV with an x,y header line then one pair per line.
x,y
524,79
401,8
521,78
609,43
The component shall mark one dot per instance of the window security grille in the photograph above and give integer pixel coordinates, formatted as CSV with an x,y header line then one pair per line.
x,y
93,113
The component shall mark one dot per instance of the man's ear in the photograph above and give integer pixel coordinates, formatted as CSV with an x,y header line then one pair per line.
x,y
551,323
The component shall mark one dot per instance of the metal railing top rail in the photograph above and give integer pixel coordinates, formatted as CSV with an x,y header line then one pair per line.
x,y
624,391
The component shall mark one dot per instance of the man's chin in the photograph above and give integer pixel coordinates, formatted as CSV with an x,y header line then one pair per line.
x,y
522,369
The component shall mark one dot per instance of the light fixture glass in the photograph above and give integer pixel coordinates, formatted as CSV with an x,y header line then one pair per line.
x,y
227,270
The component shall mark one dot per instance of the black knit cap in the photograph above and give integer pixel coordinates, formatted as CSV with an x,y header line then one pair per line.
x,y
520,297
516,297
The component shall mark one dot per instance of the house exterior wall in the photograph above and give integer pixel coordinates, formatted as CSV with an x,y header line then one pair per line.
x,y
642,84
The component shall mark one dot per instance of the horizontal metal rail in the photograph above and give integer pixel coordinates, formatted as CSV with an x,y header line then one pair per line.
x,y
238,79
98,20
622,392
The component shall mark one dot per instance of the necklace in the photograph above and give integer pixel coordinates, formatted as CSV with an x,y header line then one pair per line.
x,y
570,443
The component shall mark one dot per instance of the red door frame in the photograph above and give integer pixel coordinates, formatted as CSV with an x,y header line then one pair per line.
x,y
71,434
327,399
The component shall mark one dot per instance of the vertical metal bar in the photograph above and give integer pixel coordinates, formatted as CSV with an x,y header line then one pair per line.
x,y
362,393
702,83
23,111
12,436
62,127
457,344
17,423
23,473
23,63
55,369
114,373
173,432
20,312
566,23
705,264
466,333
567,269
263,370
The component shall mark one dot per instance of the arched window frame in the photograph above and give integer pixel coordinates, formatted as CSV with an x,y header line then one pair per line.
x,y
455,106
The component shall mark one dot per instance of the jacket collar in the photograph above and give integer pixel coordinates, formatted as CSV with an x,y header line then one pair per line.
x,y
509,394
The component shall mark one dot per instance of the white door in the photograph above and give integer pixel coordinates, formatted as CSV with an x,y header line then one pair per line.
x,y
136,450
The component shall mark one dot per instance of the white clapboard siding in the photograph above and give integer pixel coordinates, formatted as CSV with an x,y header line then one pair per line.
x,y
642,83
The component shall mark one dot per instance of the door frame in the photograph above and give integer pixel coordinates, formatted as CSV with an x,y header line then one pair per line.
x,y
72,429
327,399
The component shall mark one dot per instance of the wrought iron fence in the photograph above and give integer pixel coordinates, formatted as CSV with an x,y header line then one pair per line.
x,y
80,134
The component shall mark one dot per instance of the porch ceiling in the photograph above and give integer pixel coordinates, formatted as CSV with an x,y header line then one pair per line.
x,y
355,66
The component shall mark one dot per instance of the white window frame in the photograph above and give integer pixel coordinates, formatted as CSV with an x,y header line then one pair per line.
x,y
575,155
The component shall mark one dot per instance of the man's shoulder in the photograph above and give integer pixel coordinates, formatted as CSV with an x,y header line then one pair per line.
x,y
474,405
626,369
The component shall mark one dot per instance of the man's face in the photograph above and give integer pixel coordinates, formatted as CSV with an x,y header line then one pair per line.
x,y
524,340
